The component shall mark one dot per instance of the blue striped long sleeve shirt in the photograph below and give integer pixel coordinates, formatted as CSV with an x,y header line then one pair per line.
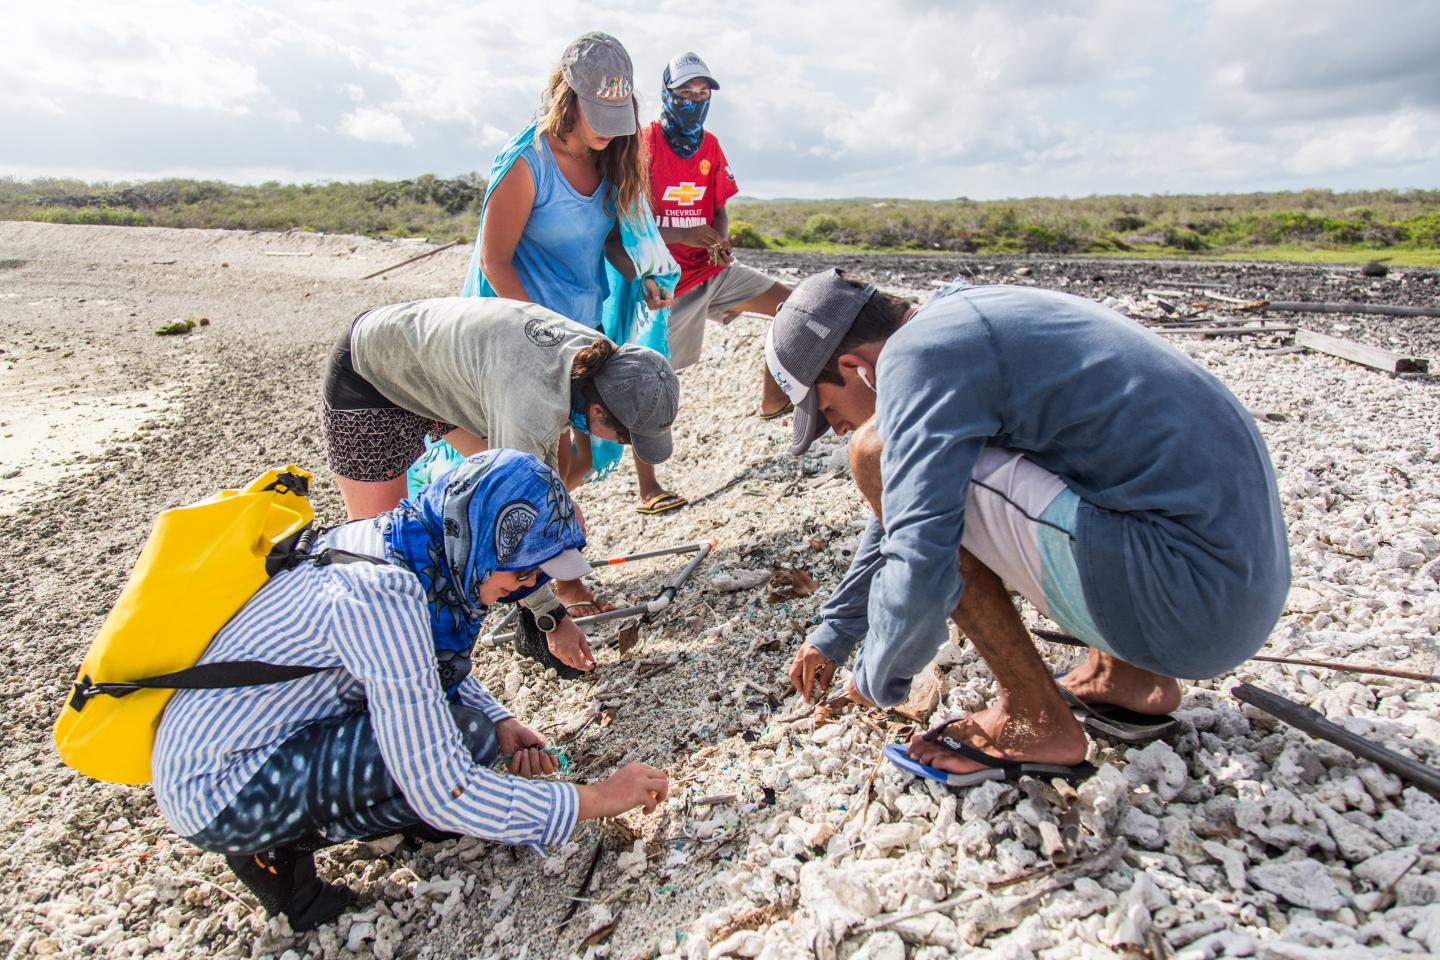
x,y
369,625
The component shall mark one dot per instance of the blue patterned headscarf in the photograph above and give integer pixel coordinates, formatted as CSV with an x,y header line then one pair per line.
x,y
498,510
681,121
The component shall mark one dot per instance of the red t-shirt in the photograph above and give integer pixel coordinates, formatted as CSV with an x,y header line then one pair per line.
x,y
686,192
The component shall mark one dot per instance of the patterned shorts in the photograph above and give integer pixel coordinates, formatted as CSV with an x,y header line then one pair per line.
x,y
375,444
367,437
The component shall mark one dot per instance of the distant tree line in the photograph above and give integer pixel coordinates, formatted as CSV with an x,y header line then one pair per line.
x,y
448,208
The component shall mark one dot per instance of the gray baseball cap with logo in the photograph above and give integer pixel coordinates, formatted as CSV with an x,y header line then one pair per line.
x,y
598,69
804,335
643,393
686,67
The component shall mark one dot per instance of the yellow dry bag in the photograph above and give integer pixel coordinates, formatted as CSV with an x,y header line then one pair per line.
x,y
197,569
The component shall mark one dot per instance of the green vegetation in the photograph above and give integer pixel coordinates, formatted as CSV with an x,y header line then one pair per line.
x,y
177,327
1402,226
426,206
1312,224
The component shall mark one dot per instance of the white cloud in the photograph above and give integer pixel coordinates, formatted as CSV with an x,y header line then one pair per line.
x,y
376,126
845,97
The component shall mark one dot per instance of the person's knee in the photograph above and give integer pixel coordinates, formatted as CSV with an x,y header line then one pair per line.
x,y
478,733
865,449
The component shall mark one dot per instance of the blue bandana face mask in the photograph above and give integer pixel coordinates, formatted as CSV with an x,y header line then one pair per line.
x,y
578,418
682,121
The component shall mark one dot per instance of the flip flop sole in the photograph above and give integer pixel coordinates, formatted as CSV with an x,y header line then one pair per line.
x,y
900,756
675,503
1120,723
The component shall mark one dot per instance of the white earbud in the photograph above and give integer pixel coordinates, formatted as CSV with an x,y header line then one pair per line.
x,y
864,376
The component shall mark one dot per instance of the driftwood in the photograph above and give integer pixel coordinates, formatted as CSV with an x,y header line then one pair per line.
x,y
1368,309
1055,636
1175,330
1309,721
420,256
1368,356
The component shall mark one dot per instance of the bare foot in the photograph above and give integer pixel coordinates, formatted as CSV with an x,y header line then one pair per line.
x,y
1048,736
574,593
1104,679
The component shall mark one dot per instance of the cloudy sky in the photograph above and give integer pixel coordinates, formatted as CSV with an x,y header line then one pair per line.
x,y
820,99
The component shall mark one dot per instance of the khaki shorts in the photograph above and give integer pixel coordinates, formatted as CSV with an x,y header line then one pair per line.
x,y
726,290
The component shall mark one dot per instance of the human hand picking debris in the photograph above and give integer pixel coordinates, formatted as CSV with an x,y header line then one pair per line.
x,y
633,785
570,646
808,667
526,749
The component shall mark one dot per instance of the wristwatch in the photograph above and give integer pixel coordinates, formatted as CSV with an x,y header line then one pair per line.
x,y
549,621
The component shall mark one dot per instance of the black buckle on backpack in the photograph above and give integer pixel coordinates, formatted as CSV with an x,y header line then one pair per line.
x,y
290,483
81,692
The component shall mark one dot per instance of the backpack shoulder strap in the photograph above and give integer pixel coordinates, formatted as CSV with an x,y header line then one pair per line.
x,y
221,674
203,676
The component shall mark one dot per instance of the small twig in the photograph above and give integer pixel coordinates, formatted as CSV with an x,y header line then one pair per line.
x,y
1385,894
887,922
211,883
1055,636
1252,304
711,801
869,782
420,256
584,887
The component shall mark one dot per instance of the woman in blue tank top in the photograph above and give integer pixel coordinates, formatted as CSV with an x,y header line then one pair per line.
x,y
550,222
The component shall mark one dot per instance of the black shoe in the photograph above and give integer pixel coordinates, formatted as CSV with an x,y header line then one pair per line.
x,y
284,881
530,641
422,833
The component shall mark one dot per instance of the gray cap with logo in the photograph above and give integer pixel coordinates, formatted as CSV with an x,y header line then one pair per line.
x,y
804,335
598,69
686,67
643,393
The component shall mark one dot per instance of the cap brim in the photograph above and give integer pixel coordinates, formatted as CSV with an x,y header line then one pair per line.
x,y
610,119
677,84
566,565
653,449
807,425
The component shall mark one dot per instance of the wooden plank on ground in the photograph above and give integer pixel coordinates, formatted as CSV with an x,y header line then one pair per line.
x,y
1369,309
1373,357
1176,331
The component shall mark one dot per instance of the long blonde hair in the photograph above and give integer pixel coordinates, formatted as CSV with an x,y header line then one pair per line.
x,y
622,162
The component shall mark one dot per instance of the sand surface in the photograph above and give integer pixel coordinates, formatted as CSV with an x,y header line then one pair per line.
x,y
1241,837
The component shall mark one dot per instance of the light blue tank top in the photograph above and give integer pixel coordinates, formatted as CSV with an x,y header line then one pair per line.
x,y
561,255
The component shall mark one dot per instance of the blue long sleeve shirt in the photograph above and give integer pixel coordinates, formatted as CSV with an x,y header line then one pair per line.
x,y
1180,539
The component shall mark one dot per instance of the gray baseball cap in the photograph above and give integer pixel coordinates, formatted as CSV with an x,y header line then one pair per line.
x,y
804,335
687,67
643,393
598,69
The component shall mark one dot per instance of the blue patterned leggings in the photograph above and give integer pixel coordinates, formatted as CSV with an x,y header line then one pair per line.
x,y
328,780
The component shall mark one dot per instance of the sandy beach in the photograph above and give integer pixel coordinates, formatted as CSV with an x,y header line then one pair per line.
x,y
784,836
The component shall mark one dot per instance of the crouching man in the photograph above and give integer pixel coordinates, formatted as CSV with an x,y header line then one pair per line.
x,y
1013,435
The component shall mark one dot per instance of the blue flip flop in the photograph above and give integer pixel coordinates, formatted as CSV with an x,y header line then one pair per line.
x,y
995,768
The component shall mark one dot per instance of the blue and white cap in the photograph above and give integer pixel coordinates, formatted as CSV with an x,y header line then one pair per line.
x,y
804,335
686,67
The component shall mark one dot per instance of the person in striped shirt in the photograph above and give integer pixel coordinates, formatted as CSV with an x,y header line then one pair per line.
x,y
395,735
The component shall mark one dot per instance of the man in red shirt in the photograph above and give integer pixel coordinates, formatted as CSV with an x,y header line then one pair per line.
x,y
690,182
